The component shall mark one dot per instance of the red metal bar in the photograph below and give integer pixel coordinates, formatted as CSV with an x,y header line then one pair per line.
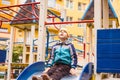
x,y
84,47
20,5
23,19
6,13
93,54
70,22
78,40
5,18
17,19
0,23
33,10
29,12
54,24
5,21
18,13
51,16
37,8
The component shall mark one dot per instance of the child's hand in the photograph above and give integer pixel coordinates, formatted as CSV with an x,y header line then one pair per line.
x,y
73,71
46,70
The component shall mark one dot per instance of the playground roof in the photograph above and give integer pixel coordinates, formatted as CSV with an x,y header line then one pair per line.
x,y
89,13
3,39
27,13
31,13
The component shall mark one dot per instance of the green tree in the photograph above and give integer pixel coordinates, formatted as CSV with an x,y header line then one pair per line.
x,y
17,51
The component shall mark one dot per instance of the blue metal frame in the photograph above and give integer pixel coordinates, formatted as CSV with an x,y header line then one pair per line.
x,y
55,15
91,3
89,6
112,9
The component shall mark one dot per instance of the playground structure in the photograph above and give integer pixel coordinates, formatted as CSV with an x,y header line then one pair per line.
x,y
13,22
41,38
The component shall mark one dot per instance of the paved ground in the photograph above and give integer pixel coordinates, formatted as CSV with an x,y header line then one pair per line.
x,y
112,79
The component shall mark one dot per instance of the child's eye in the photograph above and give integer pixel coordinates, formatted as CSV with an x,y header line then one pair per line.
x,y
64,31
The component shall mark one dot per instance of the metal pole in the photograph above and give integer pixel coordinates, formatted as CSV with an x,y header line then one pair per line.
x,y
10,54
70,22
97,25
31,44
24,47
42,30
90,32
105,14
84,44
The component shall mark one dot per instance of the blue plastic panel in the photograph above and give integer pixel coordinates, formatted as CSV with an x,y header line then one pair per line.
x,y
108,50
2,56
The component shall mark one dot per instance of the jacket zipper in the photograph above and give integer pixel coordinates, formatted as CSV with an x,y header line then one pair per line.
x,y
60,49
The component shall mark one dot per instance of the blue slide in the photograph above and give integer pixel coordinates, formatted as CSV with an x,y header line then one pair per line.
x,y
38,67
34,69
87,72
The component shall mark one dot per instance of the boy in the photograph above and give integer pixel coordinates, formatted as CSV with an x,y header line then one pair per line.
x,y
63,59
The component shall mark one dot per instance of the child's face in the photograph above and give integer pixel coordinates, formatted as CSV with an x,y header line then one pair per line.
x,y
63,34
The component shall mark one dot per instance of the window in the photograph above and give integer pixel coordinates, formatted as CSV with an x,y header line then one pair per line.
x,y
35,49
28,34
79,6
71,18
68,18
49,19
111,0
51,3
84,6
70,38
80,38
20,33
7,2
80,24
51,38
69,4
27,49
19,40
3,30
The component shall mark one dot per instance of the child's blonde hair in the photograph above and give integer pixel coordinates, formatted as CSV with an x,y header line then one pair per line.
x,y
66,30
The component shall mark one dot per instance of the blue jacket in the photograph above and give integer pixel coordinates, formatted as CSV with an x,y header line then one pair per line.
x,y
63,53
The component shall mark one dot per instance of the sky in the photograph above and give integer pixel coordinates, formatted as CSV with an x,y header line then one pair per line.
x,y
23,1
51,3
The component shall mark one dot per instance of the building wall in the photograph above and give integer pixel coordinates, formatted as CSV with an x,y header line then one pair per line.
x,y
116,6
5,27
71,12
7,3
76,12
